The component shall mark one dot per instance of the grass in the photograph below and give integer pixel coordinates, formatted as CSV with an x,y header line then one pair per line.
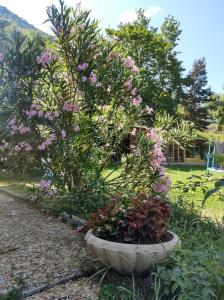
x,y
214,206
14,183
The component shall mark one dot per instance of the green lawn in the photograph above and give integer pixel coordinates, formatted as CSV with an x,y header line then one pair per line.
x,y
9,181
214,206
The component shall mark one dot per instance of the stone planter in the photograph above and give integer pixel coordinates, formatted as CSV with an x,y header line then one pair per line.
x,y
128,258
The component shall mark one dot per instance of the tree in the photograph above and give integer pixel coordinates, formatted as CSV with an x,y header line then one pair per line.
x,y
216,111
198,96
160,81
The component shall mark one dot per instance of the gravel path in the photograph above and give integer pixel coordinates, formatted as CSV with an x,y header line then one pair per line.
x,y
36,249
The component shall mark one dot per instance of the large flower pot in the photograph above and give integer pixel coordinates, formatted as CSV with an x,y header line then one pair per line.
x,y
128,258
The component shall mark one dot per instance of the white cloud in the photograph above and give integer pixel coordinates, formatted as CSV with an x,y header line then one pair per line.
x,y
130,15
152,11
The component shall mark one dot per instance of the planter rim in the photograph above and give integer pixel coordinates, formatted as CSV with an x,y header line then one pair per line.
x,y
131,247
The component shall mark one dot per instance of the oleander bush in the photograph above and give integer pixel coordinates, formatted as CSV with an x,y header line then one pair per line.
x,y
71,107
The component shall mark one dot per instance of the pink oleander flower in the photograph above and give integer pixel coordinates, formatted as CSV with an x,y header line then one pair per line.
x,y
137,101
92,78
48,141
129,63
70,106
128,84
134,91
45,143
23,129
135,69
154,136
45,58
82,67
12,122
31,113
162,186
49,115
44,184
23,146
42,147
52,136
63,133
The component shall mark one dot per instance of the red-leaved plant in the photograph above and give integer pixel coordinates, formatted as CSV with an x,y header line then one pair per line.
x,y
140,220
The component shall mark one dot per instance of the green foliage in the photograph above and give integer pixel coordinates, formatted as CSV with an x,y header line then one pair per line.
x,y
160,81
216,111
174,130
195,270
219,158
19,71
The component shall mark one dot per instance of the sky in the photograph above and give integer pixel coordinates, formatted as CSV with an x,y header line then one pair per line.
x,y
201,21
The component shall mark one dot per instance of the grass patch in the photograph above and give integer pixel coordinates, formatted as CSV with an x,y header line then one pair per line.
x,y
214,206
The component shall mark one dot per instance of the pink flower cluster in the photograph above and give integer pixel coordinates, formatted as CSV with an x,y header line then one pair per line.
x,y
92,78
36,111
70,106
163,185
17,129
46,185
82,67
63,133
45,144
45,58
23,146
51,115
129,63
128,84
137,101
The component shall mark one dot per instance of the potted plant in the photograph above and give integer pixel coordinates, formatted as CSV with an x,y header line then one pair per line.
x,y
130,235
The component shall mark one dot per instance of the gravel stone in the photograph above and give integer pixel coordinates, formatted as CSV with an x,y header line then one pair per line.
x,y
37,249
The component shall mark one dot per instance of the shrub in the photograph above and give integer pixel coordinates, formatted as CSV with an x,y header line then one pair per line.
x,y
72,121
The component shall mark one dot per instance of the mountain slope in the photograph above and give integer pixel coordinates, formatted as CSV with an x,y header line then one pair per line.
x,y
13,18
10,21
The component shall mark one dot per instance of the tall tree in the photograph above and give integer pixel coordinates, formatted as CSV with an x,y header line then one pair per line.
x,y
153,50
199,95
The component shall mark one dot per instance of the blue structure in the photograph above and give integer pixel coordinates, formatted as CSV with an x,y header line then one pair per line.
x,y
212,165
